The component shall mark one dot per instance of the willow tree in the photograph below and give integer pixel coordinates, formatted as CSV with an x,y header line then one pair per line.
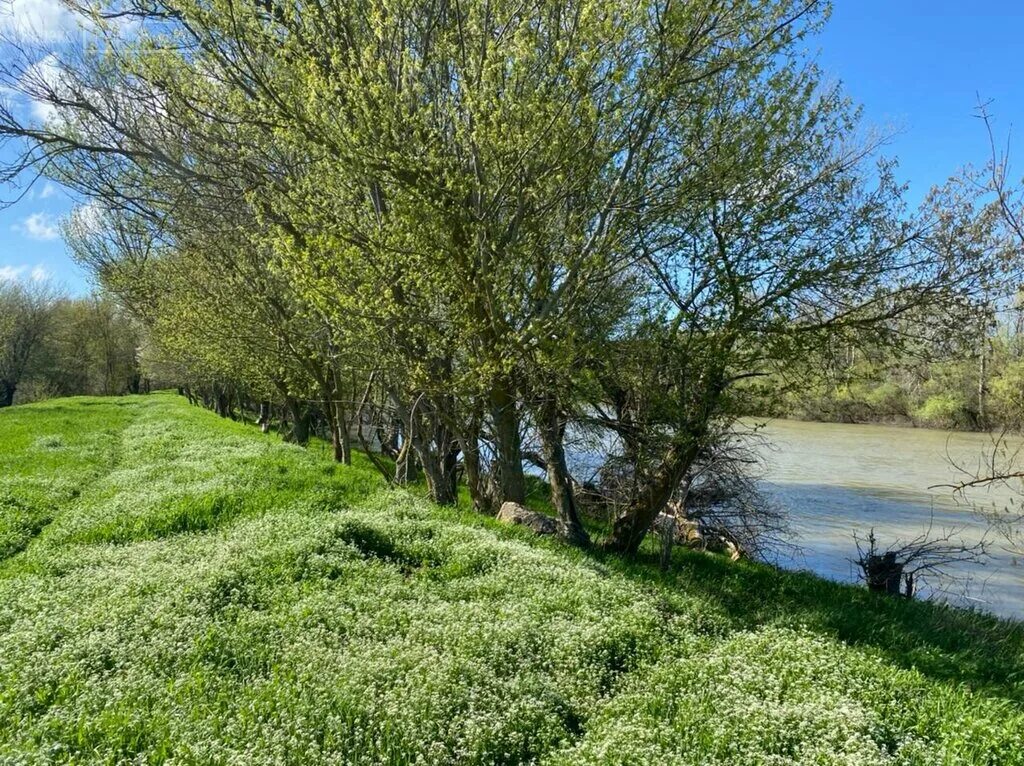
x,y
789,234
172,228
478,174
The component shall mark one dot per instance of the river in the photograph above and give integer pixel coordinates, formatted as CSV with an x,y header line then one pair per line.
x,y
836,480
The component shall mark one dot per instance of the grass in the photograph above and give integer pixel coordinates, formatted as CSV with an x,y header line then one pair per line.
x,y
179,588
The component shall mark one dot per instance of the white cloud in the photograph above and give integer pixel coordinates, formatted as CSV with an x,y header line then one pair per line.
x,y
39,81
48,190
37,273
41,226
36,20
89,217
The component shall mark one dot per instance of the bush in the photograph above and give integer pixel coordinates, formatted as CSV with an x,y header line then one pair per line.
x,y
944,411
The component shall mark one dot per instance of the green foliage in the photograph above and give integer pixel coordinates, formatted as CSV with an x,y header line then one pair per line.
x,y
945,384
26,314
207,594
1007,390
942,411
60,346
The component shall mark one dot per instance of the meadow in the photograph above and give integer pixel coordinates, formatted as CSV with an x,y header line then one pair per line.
x,y
180,588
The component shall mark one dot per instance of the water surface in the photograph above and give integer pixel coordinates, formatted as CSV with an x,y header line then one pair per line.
x,y
836,480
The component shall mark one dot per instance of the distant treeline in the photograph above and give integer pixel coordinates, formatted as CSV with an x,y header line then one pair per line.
x,y
972,380
53,345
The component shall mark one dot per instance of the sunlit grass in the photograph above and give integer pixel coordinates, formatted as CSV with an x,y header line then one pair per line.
x,y
177,587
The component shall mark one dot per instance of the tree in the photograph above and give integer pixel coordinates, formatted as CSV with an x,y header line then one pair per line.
x,y
786,237
92,347
26,312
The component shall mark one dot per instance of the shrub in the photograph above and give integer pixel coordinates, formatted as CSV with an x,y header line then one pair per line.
x,y
943,411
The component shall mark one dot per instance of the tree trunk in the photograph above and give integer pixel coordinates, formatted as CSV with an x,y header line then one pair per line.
x,y
388,438
469,443
221,402
509,458
300,418
344,435
552,434
439,470
983,379
340,440
300,429
403,463
6,393
438,455
450,467
884,574
632,524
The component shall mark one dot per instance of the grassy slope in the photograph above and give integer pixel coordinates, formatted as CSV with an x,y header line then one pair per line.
x,y
176,586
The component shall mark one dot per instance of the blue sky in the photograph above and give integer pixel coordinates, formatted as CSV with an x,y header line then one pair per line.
x,y
917,67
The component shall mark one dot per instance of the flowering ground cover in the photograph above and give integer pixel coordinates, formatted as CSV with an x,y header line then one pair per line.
x,y
178,588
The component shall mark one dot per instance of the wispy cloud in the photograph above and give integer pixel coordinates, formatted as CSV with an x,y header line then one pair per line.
x,y
89,217
48,190
39,83
37,20
37,273
40,226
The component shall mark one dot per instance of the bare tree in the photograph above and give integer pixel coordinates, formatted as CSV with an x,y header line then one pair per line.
x,y
902,567
1002,464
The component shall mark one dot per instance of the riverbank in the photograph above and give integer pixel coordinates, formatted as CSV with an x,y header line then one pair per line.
x,y
892,421
178,586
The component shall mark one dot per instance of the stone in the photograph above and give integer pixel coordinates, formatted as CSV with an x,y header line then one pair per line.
x,y
514,513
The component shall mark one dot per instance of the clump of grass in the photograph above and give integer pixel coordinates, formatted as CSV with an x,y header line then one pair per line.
x,y
21,519
211,595
50,442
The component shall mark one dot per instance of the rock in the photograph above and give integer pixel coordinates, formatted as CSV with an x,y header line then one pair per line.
x,y
514,513
688,533
719,541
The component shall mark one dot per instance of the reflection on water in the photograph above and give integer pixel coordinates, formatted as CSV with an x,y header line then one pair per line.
x,y
839,479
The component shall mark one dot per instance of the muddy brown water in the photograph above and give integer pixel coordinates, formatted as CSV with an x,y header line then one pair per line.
x,y
836,480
